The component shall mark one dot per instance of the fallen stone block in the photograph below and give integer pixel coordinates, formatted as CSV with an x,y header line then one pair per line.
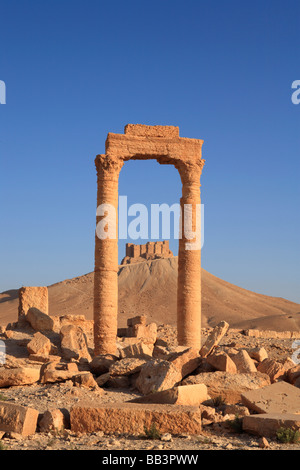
x,y
185,361
32,297
43,359
127,366
146,332
39,320
18,376
271,334
222,362
138,320
280,397
243,362
157,375
214,338
101,364
74,343
228,386
258,354
187,395
39,345
236,410
119,381
133,419
54,420
52,372
268,424
17,419
138,349
293,374
275,370
86,380
102,379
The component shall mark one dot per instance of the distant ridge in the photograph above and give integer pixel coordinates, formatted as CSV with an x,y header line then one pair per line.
x,y
150,288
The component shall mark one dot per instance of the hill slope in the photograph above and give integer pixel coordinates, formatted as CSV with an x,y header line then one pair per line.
x,y
150,288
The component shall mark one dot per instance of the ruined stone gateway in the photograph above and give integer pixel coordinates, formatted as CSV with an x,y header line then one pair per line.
x,y
161,143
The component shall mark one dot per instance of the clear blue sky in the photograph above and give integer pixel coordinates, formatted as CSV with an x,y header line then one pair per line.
x,y
220,70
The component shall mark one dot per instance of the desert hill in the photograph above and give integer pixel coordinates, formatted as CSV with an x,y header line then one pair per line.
x,y
150,288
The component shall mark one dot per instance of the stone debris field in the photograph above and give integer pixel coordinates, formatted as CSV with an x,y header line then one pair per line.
x,y
240,391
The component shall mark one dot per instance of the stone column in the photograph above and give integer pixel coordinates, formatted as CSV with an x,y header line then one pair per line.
x,y
106,259
189,260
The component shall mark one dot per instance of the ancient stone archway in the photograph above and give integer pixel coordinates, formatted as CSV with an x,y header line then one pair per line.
x,y
162,143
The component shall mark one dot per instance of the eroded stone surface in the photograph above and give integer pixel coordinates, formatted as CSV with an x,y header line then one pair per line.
x,y
269,423
133,418
18,419
279,397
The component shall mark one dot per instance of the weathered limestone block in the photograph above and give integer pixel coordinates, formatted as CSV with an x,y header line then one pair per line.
x,y
101,364
236,410
41,358
279,397
54,420
185,361
187,395
138,320
268,424
39,320
32,297
127,366
17,419
148,333
52,372
74,343
18,376
139,349
39,345
86,380
258,354
243,362
157,375
214,338
229,386
103,379
275,370
132,418
221,361
118,381
293,374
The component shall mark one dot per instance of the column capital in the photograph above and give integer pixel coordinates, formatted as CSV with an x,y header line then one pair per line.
x,y
190,172
107,166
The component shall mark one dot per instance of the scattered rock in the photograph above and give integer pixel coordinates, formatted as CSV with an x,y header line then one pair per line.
x,y
39,320
214,338
258,354
269,423
188,395
18,419
54,420
132,418
127,366
157,375
74,343
279,397
229,386
243,362
39,345
275,370
18,376
101,364
222,361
